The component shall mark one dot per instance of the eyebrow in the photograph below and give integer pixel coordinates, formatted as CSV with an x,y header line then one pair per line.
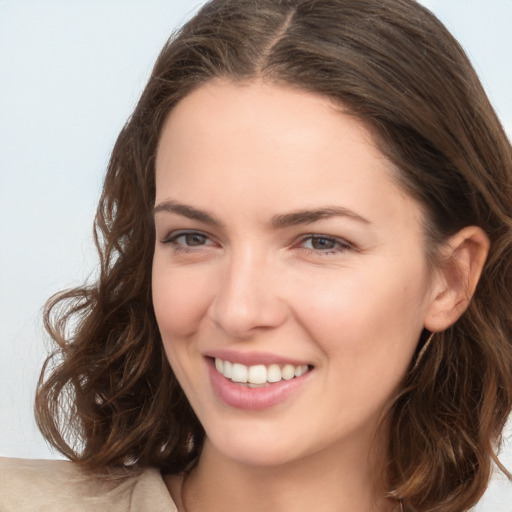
x,y
278,221
188,211
310,216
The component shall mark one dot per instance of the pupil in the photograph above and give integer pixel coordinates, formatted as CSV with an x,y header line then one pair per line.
x,y
323,243
195,239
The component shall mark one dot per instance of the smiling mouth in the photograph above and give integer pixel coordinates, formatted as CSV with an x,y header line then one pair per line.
x,y
259,375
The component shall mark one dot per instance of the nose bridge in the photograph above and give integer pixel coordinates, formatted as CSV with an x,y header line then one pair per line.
x,y
247,297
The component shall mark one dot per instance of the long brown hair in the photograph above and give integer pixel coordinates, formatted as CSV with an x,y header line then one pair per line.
x,y
107,396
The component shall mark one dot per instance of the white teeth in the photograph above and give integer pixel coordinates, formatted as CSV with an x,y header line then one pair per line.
x,y
227,370
301,370
258,375
274,373
239,373
288,372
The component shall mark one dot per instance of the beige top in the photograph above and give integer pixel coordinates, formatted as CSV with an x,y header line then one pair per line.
x,y
60,486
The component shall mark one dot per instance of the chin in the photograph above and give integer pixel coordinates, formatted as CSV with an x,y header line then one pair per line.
x,y
256,448
255,455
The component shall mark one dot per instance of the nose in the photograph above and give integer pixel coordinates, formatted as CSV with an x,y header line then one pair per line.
x,y
248,297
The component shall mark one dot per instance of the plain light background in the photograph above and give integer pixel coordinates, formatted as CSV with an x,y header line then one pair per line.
x,y
70,74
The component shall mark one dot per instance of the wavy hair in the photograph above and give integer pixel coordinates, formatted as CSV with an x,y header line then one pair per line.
x,y
107,395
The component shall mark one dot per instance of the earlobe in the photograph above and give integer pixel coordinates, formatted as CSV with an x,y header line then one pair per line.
x,y
464,258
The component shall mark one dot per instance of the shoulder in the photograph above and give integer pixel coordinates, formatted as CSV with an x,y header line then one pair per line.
x,y
61,486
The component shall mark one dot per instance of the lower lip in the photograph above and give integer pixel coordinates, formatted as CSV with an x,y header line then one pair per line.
x,y
254,399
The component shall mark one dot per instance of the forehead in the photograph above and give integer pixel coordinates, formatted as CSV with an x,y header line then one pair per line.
x,y
288,148
222,112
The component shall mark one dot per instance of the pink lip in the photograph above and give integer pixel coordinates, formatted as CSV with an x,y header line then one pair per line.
x,y
253,358
244,397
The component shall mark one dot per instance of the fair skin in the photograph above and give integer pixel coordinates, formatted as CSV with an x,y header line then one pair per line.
x,y
282,238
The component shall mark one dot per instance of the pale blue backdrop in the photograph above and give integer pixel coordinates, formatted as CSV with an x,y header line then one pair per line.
x,y
70,73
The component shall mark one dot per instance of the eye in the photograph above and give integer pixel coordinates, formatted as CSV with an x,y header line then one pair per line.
x,y
187,239
324,244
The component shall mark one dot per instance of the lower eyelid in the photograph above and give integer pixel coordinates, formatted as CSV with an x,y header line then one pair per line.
x,y
340,245
172,238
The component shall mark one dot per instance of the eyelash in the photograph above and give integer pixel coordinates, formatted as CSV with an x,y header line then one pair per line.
x,y
338,245
172,239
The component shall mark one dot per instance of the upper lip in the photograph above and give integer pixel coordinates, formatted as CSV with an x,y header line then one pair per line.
x,y
253,358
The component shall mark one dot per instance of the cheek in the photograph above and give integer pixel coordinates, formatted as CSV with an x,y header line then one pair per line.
x,y
370,315
367,332
180,300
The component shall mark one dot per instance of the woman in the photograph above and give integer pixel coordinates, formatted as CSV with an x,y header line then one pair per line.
x,y
304,296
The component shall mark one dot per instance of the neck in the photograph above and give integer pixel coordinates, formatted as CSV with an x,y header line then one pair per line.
x,y
327,481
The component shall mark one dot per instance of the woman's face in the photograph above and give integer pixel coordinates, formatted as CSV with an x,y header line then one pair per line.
x,y
283,245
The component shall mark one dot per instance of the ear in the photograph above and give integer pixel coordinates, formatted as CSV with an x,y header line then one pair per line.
x,y
464,256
